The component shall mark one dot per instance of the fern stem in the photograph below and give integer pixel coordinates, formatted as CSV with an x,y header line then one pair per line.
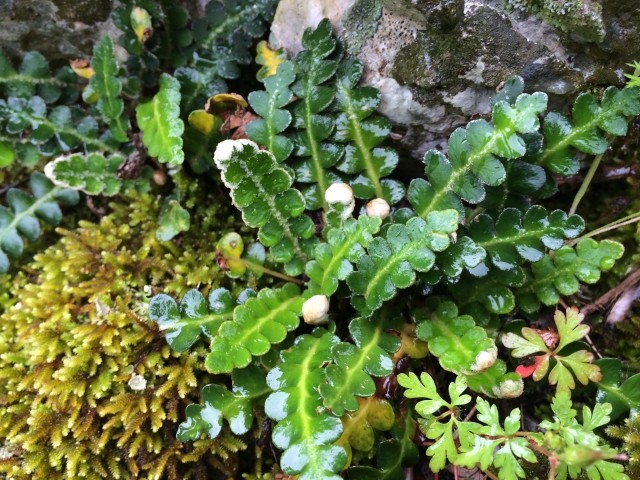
x,y
30,211
585,183
252,265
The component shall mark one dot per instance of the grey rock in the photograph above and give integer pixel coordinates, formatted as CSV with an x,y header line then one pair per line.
x,y
59,29
437,62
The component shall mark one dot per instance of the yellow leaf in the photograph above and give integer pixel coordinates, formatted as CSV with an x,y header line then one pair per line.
x,y
141,24
269,59
82,68
204,122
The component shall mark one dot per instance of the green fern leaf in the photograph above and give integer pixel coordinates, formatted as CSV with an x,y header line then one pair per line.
x,y
391,263
314,154
499,447
59,130
25,213
473,156
333,261
587,133
515,238
106,84
275,119
465,349
257,324
350,374
34,78
260,188
362,132
235,406
304,431
184,323
562,273
94,174
160,123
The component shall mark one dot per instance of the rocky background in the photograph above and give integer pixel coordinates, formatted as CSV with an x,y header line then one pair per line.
x,y
436,62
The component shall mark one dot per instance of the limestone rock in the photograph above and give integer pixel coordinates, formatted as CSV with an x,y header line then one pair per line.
x,y
59,29
437,62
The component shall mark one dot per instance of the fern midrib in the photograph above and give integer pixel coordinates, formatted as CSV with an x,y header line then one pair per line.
x,y
16,77
30,211
230,22
510,240
568,140
357,367
282,221
359,141
210,318
313,144
339,254
455,174
381,274
259,323
305,401
65,131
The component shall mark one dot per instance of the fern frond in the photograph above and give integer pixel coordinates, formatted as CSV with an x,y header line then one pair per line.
x,y
25,213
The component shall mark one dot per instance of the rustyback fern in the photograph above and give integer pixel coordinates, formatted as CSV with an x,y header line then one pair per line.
x,y
392,278
26,210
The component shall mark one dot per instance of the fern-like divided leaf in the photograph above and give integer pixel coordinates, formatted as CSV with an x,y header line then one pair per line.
x,y
235,406
576,439
160,123
391,263
490,436
261,189
562,273
107,86
257,324
591,123
465,349
473,156
94,174
314,155
515,238
269,104
362,132
25,212
305,432
184,323
546,344
350,374
33,77
333,260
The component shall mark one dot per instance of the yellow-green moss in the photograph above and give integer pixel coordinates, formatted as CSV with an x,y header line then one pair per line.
x,y
74,334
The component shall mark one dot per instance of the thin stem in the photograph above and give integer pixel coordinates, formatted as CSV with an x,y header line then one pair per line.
x,y
251,265
629,219
585,184
490,475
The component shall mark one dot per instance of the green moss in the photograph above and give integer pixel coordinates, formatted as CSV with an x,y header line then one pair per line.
x,y
629,434
88,386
